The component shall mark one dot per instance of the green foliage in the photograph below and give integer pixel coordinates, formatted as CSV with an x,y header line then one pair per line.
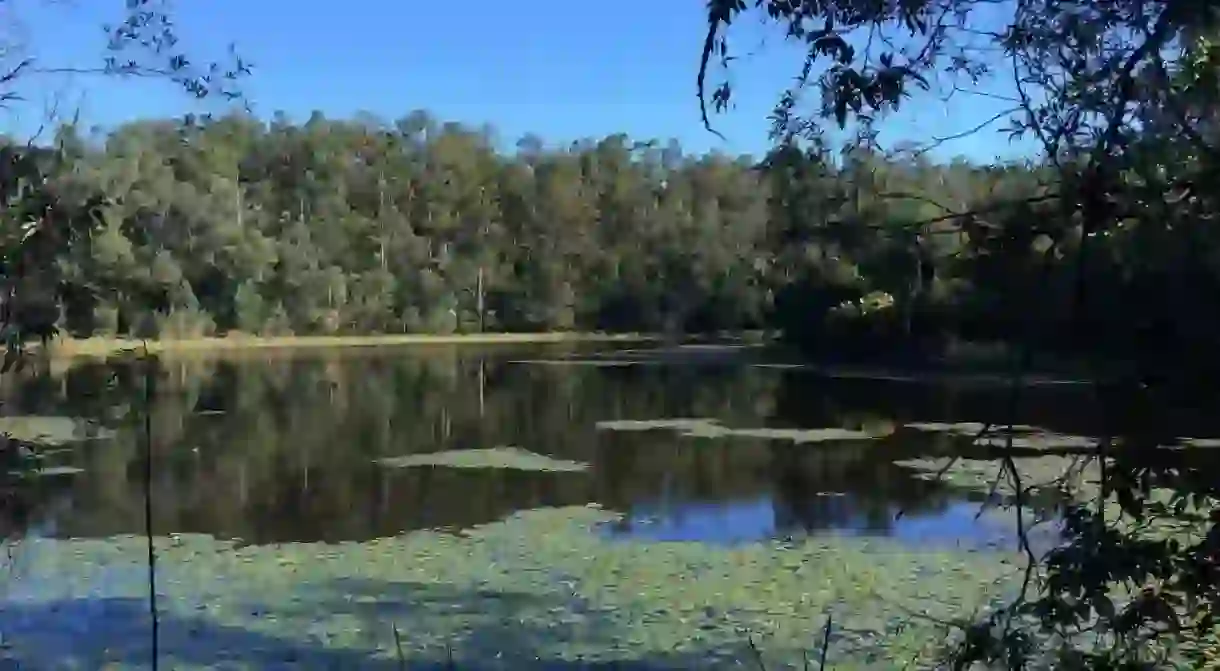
x,y
365,227
41,217
344,227
1105,251
249,308
339,227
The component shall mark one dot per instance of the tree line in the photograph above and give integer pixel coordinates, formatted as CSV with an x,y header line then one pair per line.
x,y
203,227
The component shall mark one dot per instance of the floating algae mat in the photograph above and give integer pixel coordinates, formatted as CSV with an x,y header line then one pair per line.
x,y
1076,478
711,428
51,430
981,475
592,363
1003,435
674,424
48,471
539,589
496,457
1032,437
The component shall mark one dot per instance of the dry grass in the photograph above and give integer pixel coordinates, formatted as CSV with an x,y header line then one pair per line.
x,y
102,347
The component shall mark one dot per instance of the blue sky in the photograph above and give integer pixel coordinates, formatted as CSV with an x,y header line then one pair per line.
x,y
562,70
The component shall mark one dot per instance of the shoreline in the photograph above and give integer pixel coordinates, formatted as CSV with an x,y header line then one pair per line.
x,y
70,348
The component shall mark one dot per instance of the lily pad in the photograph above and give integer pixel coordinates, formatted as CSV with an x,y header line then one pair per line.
x,y
496,457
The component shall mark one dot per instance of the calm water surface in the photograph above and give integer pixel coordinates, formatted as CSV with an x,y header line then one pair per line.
x,y
279,448
292,546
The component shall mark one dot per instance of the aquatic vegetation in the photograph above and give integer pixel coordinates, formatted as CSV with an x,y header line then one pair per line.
x,y
496,457
42,439
1201,443
1061,478
1074,477
963,428
794,435
711,428
1038,441
540,585
1017,436
51,431
48,471
593,363
548,584
981,474
675,424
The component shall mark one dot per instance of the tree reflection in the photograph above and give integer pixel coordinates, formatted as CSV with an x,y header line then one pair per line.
x,y
274,448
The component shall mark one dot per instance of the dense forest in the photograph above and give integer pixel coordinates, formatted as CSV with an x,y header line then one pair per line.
x,y
1102,246
421,226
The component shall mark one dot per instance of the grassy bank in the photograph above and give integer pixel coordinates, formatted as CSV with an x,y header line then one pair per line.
x,y
101,347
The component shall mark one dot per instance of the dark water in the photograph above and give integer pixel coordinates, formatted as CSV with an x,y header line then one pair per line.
x,y
282,448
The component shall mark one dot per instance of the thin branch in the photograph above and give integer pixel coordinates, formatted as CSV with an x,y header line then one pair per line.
x,y
715,12
981,94
973,213
825,642
758,658
400,656
938,141
149,394
945,469
16,71
904,195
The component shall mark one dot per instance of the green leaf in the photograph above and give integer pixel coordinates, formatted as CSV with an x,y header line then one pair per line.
x,y
1103,606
